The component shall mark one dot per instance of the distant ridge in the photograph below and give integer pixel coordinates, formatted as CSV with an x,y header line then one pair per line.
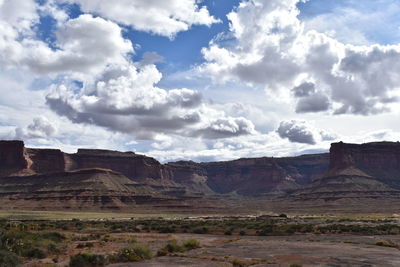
x,y
102,179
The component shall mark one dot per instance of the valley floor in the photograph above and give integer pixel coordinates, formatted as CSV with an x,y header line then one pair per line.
x,y
239,241
303,250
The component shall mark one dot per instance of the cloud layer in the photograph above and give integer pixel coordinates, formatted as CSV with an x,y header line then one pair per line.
x,y
271,48
95,80
166,18
82,84
126,99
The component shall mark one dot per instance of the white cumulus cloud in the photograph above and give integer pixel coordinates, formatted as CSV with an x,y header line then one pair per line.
x,y
271,48
166,17
126,99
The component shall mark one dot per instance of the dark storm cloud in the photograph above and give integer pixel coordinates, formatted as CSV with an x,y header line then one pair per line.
x,y
296,132
304,89
313,103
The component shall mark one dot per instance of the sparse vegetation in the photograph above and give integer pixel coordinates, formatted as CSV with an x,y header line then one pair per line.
x,y
8,259
238,263
173,247
87,260
135,253
29,244
191,244
387,243
33,241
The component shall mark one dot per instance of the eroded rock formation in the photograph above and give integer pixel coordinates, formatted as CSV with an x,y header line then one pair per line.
x,y
243,176
112,179
380,160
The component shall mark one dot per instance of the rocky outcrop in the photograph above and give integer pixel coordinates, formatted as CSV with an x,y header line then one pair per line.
x,y
16,159
130,164
45,160
191,175
243,176
305,168
12,157
358,174
247,176
264,175
105,179
380,160
91,189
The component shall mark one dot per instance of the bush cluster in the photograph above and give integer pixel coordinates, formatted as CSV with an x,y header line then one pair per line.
x,y
87,260
27,244
135,253
387,243
9,259
173,247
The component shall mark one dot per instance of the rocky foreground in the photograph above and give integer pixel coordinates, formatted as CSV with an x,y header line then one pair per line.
x,y
350,176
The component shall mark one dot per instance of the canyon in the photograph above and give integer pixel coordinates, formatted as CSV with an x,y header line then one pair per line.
x,y
95,179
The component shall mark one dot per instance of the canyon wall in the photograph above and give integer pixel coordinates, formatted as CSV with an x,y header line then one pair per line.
x,y
380,160
264,175
243,176
12,158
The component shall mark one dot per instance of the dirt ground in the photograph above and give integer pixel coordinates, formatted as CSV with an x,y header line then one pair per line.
x,y
333,250
304,250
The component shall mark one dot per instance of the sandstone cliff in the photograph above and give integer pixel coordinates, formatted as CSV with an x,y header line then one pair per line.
x,y
264,175
359,175
380,160
350,172
12,157
243,176
86,189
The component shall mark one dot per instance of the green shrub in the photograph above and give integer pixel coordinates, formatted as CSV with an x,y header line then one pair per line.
x,y
28,244
191,244
238,263
173,247
203,230
162,252
87,260
142,252
53,236
166,230
136,253
36,253
387,243
85,245
9,259
268,229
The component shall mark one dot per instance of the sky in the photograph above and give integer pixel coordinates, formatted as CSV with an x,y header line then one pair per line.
x,y
199,80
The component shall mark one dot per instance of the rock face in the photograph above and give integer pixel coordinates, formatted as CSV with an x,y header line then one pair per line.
x,y
130,164
359,175
248,176
243,176
12,157
45,160
86,189
264,175
191,175
108,179
380,160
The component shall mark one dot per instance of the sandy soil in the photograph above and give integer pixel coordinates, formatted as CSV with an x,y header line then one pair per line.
x,y
333,250
306,250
